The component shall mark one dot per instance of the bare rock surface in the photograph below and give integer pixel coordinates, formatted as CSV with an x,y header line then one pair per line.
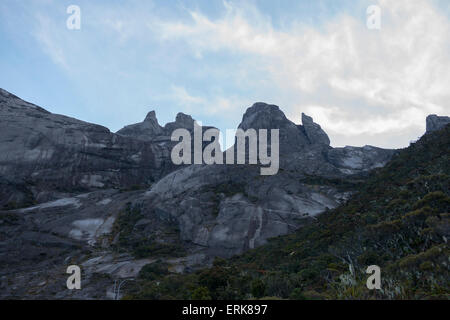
x,y
113,202
435,122
230,209
43,154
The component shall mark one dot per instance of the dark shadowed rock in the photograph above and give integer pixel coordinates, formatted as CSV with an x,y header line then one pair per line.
x,y
435,122
314,132
267,116
208,210
182,121
146,130
48,154
227,209
55,153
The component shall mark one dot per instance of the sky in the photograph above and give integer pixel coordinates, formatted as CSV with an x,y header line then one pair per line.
x,y
214,59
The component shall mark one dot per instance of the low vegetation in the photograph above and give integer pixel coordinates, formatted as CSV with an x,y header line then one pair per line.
x,y
126,238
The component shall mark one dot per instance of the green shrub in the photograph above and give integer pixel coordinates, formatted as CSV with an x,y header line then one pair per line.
x,y
201,293
153,270
158,250
258,288
297,294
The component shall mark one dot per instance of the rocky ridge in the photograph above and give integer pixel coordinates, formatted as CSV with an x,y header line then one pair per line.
x,y
435,122
90,218
45,156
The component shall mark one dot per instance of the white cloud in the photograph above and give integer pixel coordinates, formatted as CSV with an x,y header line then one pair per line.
x,y
46,36
183,97
217,105
354,81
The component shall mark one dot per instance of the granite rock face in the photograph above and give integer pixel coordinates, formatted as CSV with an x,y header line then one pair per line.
x,y
72,171
230,209
435,122
313,131
55,152
49,153
145,130
150,131
351,160
266,116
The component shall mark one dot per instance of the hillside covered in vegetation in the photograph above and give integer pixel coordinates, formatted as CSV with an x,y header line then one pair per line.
x,y
399,221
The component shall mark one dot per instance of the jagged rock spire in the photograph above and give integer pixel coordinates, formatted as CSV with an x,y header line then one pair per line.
x,y
145,130
313,131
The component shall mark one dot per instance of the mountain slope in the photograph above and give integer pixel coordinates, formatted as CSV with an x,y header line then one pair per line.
x,y
186,218
45,156
92,215
399,221
228,209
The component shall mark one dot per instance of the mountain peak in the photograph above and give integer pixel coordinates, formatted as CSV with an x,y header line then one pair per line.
x,y
264,116
184,118
435,122
268,116
265,107
145,130
313,131
151,117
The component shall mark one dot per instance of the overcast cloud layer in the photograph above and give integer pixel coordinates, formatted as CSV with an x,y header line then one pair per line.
x,y
362,86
